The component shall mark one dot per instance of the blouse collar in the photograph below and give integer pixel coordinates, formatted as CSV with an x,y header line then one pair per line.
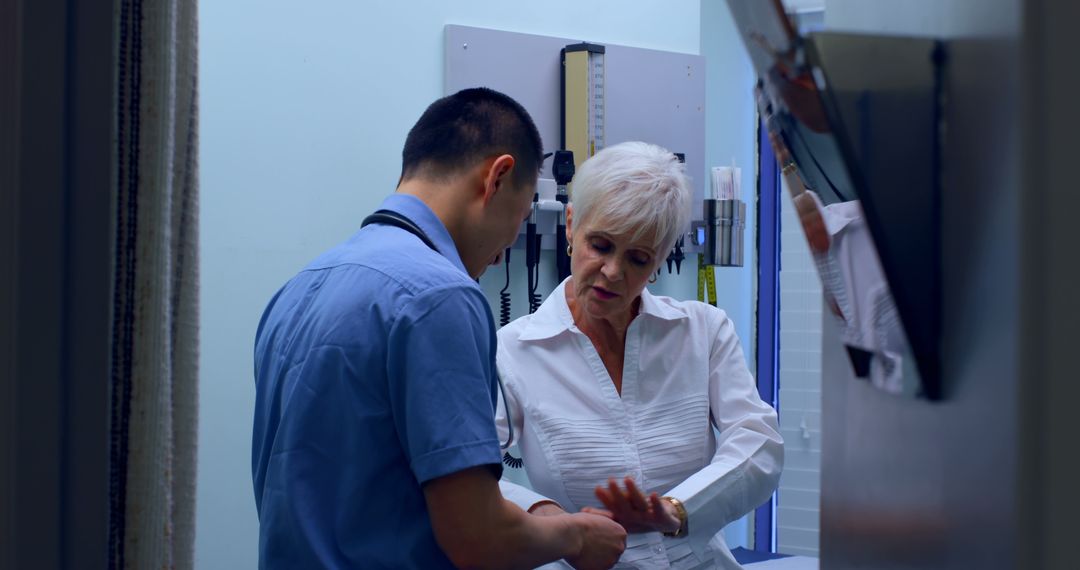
x,y
554,317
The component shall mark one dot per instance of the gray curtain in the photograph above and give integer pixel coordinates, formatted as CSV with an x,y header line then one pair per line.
x,y
155,315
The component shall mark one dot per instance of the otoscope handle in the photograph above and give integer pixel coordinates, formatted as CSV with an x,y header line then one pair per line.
x,y
562,261
531,250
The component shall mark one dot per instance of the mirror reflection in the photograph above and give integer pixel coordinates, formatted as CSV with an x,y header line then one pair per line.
x,y
792,100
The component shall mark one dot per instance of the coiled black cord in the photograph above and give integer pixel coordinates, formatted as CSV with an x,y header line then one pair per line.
x,y
504,295
534,279
534,298
504,319
513,462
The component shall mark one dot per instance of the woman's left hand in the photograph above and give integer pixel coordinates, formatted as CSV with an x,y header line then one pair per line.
x,y
633,510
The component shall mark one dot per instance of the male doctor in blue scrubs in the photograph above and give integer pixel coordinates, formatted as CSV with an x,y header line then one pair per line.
x,y
374,441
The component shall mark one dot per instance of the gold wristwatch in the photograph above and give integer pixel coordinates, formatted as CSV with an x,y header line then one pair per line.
x,y
681,510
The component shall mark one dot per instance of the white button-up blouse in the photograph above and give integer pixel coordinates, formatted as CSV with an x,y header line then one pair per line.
x,y
684,374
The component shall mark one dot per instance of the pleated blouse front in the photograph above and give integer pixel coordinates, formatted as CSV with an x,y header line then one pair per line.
x,y
683,375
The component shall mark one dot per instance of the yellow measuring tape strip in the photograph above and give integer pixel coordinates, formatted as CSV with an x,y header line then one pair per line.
x,y
706,281
701,278
710,283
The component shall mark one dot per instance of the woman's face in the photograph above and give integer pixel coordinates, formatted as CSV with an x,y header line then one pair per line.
x,y
609,271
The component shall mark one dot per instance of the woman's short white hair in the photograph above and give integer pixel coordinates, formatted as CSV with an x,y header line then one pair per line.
x,y
636,189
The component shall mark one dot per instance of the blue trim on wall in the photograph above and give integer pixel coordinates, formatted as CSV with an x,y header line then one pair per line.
x,y
768,311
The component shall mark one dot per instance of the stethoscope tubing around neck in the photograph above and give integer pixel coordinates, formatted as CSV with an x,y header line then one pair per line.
x,y
392,218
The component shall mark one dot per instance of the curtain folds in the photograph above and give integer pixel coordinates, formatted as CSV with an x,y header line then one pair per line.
x,y
155,315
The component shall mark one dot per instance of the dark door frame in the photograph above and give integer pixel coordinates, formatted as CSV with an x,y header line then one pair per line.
x,y
768,310
56,241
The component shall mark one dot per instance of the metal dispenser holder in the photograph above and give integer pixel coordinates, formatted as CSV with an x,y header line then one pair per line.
x,y
725,219
725,224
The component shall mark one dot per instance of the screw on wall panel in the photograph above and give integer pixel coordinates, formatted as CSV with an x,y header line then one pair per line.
x,y
464,46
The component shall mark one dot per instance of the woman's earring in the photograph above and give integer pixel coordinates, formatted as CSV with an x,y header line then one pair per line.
x,y
569,249
653,280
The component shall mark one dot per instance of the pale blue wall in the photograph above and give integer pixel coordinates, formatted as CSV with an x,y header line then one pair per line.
x,y
303,113
730,133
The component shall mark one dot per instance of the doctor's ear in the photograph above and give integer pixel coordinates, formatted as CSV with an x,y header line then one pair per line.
x,y
569,222
500,170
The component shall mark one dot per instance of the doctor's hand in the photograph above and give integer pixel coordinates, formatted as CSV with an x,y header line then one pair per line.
x,y
603,542
630,508
546,509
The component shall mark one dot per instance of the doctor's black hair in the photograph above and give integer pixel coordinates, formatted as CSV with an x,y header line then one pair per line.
x,y
471,125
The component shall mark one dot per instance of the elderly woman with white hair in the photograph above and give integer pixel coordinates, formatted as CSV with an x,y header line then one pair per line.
x,y
628,404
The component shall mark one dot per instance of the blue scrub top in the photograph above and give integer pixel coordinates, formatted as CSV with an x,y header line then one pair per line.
x,y
374,373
